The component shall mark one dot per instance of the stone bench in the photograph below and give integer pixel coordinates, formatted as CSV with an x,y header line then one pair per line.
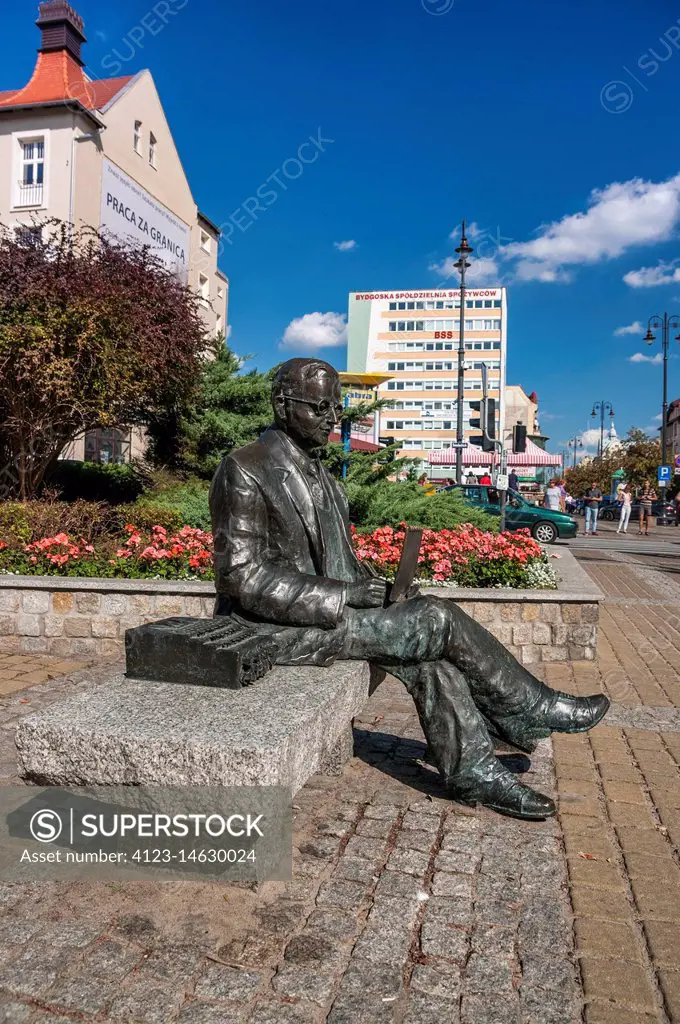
x,y
292,724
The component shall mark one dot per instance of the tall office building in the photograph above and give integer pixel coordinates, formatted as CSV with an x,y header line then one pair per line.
x,y
413,337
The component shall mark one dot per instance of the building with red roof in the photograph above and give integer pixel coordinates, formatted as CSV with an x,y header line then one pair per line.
x,y
100,152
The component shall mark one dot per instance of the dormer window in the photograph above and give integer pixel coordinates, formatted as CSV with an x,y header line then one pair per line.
x,y
152,149
137,137
205,241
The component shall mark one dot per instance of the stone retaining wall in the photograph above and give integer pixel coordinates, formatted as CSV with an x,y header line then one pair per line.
x,y
51,615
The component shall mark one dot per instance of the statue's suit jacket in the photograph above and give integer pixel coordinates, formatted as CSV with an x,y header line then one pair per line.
x,y
270,556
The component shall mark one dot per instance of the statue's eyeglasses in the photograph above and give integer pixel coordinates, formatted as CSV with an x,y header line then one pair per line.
x,y
320,408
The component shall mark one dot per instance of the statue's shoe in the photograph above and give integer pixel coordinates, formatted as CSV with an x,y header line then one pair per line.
x,y
554,712
561,712
505,794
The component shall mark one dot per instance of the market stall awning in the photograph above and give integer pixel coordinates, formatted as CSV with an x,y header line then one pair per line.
x,y
474,456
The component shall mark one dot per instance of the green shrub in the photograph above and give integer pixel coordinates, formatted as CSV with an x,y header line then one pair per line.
x,y
389,504
145,514
15,524
23,522
94,481
188,501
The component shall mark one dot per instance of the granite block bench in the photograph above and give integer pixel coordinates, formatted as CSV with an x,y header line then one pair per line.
x,y
292,724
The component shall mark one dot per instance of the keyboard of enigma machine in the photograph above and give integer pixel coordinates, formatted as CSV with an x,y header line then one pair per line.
x,y
204,652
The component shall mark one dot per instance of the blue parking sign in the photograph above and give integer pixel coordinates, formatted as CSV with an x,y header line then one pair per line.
x,y
665,474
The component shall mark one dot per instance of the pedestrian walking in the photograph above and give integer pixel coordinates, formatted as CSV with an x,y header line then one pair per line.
x,y
471,479
553,496
677,509
485,479
563,495
626,496
513,481
593,499
646,499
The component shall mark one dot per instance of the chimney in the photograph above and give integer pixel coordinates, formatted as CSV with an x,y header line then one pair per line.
x,y
61,29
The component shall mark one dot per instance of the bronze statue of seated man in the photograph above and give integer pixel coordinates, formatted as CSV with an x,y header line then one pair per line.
x,y
284,560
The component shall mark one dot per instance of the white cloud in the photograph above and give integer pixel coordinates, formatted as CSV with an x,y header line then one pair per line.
x,y
591,438
652,277
640,357
618,217
548,417
634,328
345,246
314,331
658,418
483,271
228,331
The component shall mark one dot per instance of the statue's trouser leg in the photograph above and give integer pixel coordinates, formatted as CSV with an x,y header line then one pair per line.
x,y
430,629
455,730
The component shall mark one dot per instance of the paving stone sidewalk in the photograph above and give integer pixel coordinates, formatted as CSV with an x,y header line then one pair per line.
x,y
404,906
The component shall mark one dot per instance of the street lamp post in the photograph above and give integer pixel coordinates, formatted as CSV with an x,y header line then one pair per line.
x,y
461,266
575,443
603,408
664,323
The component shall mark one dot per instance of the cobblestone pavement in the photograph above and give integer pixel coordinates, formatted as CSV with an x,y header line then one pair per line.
x,y
404,906
18,671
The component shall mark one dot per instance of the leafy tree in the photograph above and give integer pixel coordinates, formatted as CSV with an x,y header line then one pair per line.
x,y
229,410
93,333
638,456
642,457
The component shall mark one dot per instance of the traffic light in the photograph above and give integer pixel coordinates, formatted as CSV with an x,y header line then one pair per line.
x,y
490,425
519,438
486,422
476,422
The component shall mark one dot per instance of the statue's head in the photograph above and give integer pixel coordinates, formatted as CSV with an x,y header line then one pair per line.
x,y
307,401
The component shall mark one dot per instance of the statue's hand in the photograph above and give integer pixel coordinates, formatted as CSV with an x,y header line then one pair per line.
x,y
369,593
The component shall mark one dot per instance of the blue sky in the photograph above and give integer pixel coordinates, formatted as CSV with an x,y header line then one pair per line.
x,y
551,127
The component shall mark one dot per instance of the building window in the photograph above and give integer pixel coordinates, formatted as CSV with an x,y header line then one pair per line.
x,y
218,324
153,144
220,292
137,138
32,172
107,446
204,288
205,241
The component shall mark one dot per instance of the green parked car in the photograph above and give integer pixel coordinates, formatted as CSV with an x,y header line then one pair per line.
x,y
545,525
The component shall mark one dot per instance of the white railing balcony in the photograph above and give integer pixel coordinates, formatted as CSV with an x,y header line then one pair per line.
x,y
28,195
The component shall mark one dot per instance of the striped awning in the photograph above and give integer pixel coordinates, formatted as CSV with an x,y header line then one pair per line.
x,y
474,456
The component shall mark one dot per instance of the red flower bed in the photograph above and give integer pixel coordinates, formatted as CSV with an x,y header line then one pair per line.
x,y
465,556
186,554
